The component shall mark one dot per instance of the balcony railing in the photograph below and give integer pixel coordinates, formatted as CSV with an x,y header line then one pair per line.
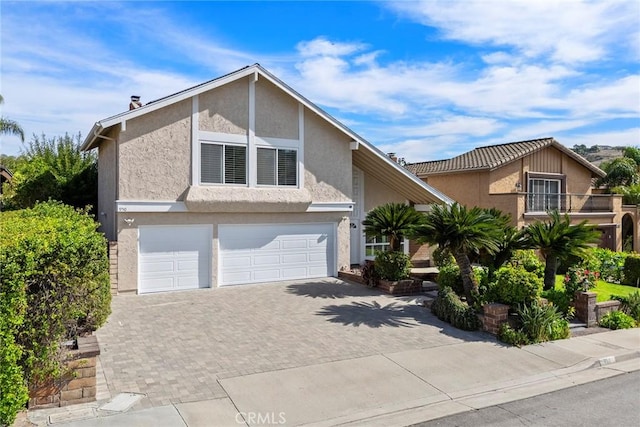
x,y
569,203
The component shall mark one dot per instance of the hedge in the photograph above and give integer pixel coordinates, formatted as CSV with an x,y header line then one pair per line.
x,y
632,270
55,286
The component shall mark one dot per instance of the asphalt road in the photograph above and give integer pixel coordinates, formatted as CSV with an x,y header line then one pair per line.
x,y
610,402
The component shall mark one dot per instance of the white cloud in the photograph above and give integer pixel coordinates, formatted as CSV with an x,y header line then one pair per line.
x,y
566,31
321,46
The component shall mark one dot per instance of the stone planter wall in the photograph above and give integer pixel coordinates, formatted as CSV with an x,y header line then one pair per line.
x,y
77,387
589,311
400,287
352,277
605,307
494,315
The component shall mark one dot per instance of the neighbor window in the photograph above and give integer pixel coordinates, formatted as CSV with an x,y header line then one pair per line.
x,y
277,166
223,164
544,194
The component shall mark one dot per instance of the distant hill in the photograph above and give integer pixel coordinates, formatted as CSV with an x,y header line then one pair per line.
x,y
598,153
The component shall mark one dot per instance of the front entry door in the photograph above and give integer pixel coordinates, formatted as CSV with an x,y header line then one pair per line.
x,y
608,237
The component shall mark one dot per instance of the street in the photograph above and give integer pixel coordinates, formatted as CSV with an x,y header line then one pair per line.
x,y
610,402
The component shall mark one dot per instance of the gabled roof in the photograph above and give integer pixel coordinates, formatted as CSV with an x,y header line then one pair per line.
x,y
366,156
495,156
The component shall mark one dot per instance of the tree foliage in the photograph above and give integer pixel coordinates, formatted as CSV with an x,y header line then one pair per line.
x,y
53,168
10,127
463,232
620,171
392,220
557,239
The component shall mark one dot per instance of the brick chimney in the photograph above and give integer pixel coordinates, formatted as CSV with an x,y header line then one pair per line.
x,y
135,102
393,157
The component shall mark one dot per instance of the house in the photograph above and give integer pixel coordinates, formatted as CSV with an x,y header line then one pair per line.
x,y
238,180
526,179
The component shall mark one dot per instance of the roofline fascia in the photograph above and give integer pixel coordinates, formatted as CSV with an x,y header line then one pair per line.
x,y
87,144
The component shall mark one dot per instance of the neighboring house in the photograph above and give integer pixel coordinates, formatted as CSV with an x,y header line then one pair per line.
x,y
238,180
526,179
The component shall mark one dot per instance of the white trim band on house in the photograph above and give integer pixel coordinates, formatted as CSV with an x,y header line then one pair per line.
x,y
150,206
331,207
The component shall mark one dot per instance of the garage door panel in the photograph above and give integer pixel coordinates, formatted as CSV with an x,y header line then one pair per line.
x,y
187,266
236,277
238,261
295,244
275,252
174,257
266,275
294,258
266,259
156,267
159,284
188,282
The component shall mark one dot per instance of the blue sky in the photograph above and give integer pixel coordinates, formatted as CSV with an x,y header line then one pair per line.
x,y
424,79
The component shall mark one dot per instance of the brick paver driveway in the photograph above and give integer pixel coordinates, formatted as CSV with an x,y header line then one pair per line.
x,y
173,347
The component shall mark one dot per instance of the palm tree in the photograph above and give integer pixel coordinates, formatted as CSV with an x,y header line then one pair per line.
x,y
462,232
557,240
393,221
9,126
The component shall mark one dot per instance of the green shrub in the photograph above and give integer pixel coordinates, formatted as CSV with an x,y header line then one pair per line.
x,y
56,255
527,259
13,303
630,304
393,265
448,307
442,257
631,273
560,299
515,286
579,278
617,320
610,264
512,336
449,277
543,322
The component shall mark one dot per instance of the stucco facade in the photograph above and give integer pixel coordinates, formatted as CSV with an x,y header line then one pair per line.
x,y
150,167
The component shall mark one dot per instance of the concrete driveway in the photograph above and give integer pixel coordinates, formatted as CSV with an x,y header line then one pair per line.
x,y
175,347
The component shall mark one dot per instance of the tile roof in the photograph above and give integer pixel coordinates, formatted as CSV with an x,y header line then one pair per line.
x,y
493,157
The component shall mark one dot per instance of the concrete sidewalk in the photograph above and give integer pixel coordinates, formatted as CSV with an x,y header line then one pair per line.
x,y
394,389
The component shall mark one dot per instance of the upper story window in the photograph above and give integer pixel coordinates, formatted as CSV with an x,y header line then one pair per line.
x,y
223,163
544,194
277,166
230,159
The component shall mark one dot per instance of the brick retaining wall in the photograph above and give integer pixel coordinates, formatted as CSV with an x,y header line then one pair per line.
x,y
77,387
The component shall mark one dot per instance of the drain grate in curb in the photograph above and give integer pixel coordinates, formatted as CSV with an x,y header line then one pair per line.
x,y
122,402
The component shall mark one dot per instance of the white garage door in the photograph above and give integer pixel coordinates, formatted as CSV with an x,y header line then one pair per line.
x,y
264,253
174,258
